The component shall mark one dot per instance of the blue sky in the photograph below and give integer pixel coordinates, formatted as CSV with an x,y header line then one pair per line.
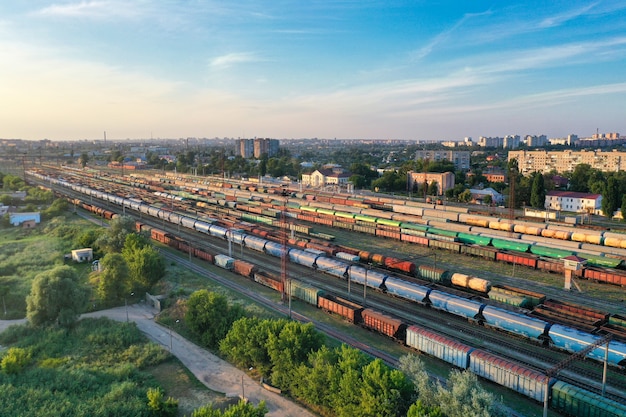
x,y
431,70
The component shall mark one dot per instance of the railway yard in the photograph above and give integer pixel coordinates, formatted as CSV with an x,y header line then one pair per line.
x,y
475,291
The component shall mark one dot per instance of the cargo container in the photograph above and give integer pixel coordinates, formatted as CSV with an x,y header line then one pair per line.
x,y
440,244
346,309
244,268
575,401
303,258
384,324
269,280
509,298
509,374
473,239
512,322
550,252
365,276
431,273
573,340
305,292
534,298
473,283
455,305
347,256
224,261
517,259
510,245
481,251
332,266
438,346
407,290
400,265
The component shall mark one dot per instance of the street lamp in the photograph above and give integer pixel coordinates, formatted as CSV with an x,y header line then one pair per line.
x,y
171,335
126,305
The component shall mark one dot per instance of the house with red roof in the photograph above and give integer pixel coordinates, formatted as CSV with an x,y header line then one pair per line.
x,y
574,201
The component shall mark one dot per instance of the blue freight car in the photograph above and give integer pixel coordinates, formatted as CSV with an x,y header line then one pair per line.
x,y
407,290
514,322
455,305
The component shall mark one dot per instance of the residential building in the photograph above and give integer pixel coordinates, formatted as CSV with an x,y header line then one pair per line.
x,y
488,142
444,180
511,141
567,160
326,176
461,159
574,202
256,147
533,141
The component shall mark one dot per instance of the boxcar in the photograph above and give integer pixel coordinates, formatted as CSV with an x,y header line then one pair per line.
x,y
509,374
346,309
382,323
438,346
575,401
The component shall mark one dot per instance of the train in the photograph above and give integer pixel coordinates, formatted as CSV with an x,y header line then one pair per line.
x,y
512,322
564,397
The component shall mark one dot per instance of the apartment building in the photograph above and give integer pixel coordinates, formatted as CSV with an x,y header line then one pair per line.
x,y
564,161
461,159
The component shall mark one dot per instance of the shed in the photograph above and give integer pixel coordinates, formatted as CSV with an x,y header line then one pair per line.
x,y
17,219
82,255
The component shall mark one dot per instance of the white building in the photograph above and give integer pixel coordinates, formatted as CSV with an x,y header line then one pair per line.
x,y
326,176
574,202
479,195
82,255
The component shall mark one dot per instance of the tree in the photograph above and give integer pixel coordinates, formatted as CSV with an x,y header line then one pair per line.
x,y
433,188
579,179
145,264
610,197
623,208
83,159
464,396
114,283
56,296
113,239
210,317
538,192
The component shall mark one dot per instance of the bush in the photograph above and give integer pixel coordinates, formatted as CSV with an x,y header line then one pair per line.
x,y
15,360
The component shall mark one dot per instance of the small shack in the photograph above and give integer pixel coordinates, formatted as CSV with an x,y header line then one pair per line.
x,y
82,255
16,219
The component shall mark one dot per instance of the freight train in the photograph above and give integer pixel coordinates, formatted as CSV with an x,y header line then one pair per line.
x,y
563,396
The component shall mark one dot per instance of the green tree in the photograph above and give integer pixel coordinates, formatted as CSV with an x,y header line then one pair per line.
x,y
384,392
623,208
56,296
579,179
538,192
610,197
433,188
290,348
463,396
114,282
113,239
145,264
83,159
210,317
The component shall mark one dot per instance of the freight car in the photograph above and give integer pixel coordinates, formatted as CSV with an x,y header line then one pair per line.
x,y
446,302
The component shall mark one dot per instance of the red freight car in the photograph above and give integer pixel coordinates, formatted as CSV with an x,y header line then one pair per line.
x,y
383,323
346,309
244,268
516,258
610,277
269,280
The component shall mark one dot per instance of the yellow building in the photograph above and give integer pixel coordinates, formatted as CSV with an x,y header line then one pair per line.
x,y
564,161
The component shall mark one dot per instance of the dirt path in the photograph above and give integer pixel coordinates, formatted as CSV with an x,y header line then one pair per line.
x,y
212,371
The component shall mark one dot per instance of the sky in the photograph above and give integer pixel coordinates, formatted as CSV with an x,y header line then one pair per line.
x,y
418,70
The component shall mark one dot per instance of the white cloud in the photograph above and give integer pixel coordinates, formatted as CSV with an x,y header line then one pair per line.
x,y
228,60
96,9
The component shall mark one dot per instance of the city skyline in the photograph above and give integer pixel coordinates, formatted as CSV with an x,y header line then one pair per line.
x,y
327,69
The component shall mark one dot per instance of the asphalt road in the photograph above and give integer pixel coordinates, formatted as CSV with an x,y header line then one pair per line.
x,y
212,371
